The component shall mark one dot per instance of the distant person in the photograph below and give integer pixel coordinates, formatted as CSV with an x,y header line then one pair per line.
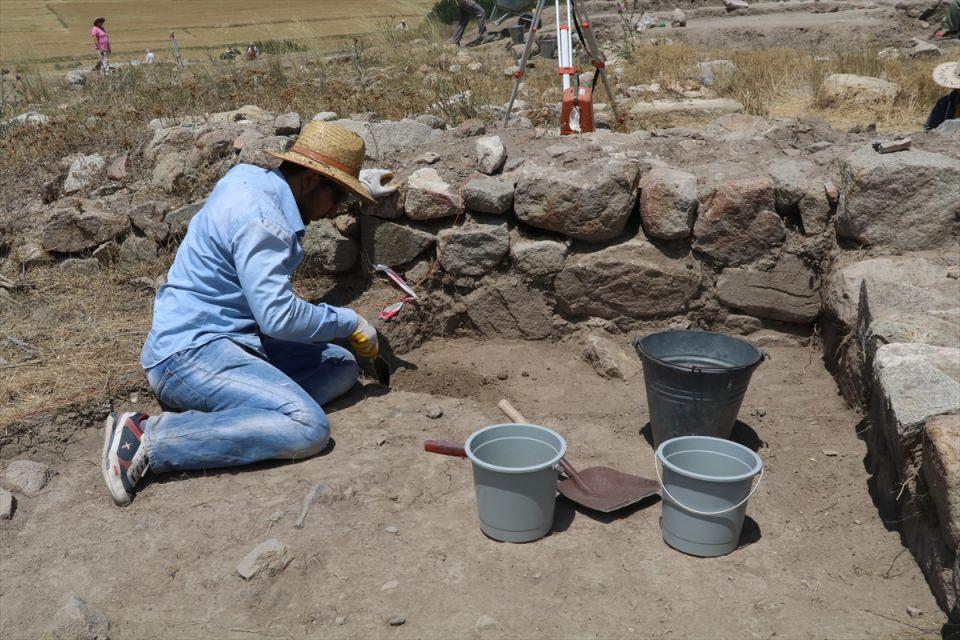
x,y
150,57
469,8
947,75
402,27
101,43
950,28
252,52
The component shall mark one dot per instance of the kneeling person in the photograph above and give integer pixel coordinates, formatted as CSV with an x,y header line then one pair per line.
x,y
240,364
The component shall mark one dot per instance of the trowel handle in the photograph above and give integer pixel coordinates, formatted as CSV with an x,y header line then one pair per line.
x,y
445,447
511,412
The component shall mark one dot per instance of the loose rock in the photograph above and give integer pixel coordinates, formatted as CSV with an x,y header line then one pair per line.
x,y
179,219
713,72
287,125
118,168
397,621
535,258
849,88
491,154
269,556
608,359
83,171
172,173
7,504
434,412
77,620
137,250
485,622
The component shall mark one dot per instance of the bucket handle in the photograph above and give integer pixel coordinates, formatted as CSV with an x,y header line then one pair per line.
x,y
706,513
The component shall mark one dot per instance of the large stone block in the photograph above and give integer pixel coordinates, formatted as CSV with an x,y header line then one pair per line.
x,y
668,202
907,200
70,231
384,140
737,223
911,385
591,203
941,470
473,249
326,250
798,189
510,310
488,195
788,292
392,244
83,172
847,88
630,280
535,258
428,196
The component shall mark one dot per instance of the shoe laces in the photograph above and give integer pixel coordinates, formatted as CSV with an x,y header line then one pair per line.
x,y
139,466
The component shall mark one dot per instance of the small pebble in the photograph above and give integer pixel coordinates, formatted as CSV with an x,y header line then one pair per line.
x,y
392,530
503,375
381,441
340,621
390,586
485,621
396,621
434,412
913,612
829,452
525,374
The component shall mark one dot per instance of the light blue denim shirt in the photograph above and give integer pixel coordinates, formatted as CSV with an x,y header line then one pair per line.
x,y
231,275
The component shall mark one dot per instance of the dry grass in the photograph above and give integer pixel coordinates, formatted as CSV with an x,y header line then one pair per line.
x,y
49,31
67,335
786,82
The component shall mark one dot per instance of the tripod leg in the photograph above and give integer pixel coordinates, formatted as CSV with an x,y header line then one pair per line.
x,y
527,48
595,53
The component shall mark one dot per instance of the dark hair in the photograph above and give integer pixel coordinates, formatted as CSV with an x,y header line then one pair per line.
x,y
99,21
292,169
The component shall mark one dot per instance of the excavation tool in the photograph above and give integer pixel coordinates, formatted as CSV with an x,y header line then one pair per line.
x,y
176,50
598,488
576,114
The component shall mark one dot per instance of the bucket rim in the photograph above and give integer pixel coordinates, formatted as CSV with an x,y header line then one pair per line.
x,y
642,351
757,467
468,446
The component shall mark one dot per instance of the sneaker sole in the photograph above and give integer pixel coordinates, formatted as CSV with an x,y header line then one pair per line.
x,y
109,465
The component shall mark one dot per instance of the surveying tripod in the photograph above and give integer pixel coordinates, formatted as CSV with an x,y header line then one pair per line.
x,y
577,106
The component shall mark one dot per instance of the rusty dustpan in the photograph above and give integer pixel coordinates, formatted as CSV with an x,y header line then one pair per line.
x,y
598,488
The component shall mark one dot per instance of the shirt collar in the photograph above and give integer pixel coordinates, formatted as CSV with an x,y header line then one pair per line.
x,y
288,205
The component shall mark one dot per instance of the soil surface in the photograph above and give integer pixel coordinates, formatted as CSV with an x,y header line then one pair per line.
x,y
816,559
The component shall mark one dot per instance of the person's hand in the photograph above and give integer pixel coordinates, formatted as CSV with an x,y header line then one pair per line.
x,y
378,182
364,340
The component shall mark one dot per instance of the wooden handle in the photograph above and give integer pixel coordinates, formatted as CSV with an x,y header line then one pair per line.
x,y
510,411
445,447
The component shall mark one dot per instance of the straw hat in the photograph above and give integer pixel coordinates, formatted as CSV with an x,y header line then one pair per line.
x,y
947,75
333,151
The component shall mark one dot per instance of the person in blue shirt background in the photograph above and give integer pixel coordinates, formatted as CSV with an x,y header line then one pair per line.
x,y
241,364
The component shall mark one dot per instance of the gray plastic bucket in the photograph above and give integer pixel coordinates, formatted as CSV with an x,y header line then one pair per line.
x,y
515,477
695,381
705,483
548,48
516,33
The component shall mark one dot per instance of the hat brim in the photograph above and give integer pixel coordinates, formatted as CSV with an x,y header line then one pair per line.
x,y
342,178
946,77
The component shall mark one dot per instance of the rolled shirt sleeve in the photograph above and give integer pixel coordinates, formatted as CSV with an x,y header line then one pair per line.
x,y
264,257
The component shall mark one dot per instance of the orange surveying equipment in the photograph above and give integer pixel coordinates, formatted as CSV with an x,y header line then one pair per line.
x,y
576,113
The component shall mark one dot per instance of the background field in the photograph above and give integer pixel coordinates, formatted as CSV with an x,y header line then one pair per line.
x,y
55,30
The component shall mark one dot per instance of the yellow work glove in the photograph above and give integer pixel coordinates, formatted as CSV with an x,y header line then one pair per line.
x,y
364,340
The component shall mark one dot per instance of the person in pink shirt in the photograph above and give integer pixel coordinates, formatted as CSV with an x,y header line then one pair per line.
x,y
101,43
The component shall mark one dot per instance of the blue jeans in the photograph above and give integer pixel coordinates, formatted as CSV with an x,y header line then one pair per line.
x,y
236,407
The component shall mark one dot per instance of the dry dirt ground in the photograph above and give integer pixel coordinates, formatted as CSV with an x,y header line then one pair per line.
x,y
817,560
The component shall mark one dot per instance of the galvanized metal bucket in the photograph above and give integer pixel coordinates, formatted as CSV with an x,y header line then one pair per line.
x,y
515,470
695,381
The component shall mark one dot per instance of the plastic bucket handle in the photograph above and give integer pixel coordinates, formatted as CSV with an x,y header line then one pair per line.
x,y
706,513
